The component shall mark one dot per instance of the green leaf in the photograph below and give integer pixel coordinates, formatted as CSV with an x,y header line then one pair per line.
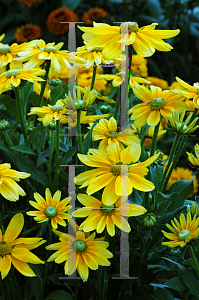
x,y
153,177
176,284
42,229
70,153
55,94
33,133
38,270
23,148
41,139
59,295
10,104
35,285
189,262
4,148
135,198
163,294
26,165
72,4
88,139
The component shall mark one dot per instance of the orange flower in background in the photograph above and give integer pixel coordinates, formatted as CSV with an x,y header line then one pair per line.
x,y
27,33
62,14
28,2
163,84
93,14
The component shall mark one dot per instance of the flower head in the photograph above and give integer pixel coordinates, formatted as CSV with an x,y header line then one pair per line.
x,y
80,252
119,78
163,84
117,171
9,189
16,250
190,92
194,210
13,77
156,104
56,19
93,14
183,232
145,40
176,122
50,208
29,2
194,160
139,66
100,215
106,131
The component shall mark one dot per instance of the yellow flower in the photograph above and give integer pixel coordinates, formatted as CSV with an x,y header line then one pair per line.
x,y
107,132
49,113
99,215
183,174
93,56
177,123
71,119
85,79
194,160
81,252
188,91
139,66
50,209
13,77
183,232
156,104
37,89
120,77
99,96
115,172
163,84
9,189
40,52
16,250
145,40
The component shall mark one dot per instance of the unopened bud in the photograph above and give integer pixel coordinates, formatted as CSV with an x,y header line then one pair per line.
x,y
149,220
105,109
4,125
56,82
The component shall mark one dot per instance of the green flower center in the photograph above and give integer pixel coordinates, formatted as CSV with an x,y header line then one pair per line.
x,y
49,49
111,134
80,246
5,248
158,103
51,211
57,107
13,73
116,168
4,49
107,209
185,235
98,49
132,26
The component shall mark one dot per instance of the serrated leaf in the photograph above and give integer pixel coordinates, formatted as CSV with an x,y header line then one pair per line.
x,y
23,148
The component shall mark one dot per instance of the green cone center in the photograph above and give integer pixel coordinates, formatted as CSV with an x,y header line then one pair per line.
x,y
4,49
57,107
13,73
50,49
5,248
132,26
185,235
157,103
111,134
118,168
107,209
51,211
80,246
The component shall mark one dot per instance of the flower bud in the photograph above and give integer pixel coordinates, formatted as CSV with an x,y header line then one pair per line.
x,y
52,126
149,220
4,125
105,109
175,251
79,104
56,82
159,160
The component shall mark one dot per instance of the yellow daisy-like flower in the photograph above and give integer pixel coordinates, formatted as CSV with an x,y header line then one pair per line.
x,y
145,40
93,56
183,174
183,232
106,130
80,253
16,250
49,113
156,104
99,96
115,172
119,78
9,189
163,84
37,89
41,52
50,209
189,91
194,160
13,77
85,79
139,66
100,215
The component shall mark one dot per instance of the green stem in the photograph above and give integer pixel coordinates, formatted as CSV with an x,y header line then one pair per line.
x,y
130,61
79,131
194,259
181,145
77,284
173,149
46,264
154,140
5,287
57,155
16,287
43,86
20,112
94,76
52,144
117,109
